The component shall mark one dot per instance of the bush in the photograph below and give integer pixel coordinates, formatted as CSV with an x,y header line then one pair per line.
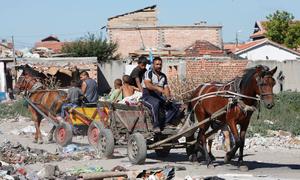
x,y
285,115
12,110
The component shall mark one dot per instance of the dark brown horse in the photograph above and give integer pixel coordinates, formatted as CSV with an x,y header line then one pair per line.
x,y
48,101
239,104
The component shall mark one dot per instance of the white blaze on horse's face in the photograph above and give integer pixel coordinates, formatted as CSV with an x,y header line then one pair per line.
x,y
265,83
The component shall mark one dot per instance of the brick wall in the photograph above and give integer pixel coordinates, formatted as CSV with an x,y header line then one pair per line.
x,y
214,70
147,17
179,37
201,70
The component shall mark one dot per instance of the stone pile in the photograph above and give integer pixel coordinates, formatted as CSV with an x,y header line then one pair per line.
x,y
274,139
281,139
15,153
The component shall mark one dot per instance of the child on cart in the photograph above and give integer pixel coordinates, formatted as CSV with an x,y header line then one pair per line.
x,y
73,99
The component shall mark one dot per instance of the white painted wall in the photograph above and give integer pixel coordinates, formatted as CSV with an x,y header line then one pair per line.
x,y
273,52
2,78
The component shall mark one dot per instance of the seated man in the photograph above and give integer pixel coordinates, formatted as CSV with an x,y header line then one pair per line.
x,y
89,87
116,94
155,86
73,98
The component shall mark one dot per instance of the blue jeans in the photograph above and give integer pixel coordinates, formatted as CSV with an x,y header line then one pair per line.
x,y
66,105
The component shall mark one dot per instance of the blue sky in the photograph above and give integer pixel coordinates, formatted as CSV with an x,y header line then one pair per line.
x,y
32,20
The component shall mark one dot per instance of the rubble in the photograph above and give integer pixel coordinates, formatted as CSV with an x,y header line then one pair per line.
x,y
28,130
273,139
48,171
14,157
15,153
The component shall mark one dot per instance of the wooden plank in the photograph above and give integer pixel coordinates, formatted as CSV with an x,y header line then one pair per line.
x,y
102,175
41,112
196,126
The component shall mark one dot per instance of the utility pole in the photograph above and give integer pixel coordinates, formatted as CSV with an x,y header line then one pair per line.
x,y
14,57
236,39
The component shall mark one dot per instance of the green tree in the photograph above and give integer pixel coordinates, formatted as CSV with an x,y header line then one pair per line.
x,y
92,46
292,39
278,25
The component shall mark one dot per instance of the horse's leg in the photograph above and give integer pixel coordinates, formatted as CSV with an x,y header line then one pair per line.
x,y
40,138
199,115
229,155
34,116
209,145
202,140
50,135
244,127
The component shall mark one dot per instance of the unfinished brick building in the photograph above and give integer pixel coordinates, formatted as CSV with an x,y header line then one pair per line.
x,y
139,30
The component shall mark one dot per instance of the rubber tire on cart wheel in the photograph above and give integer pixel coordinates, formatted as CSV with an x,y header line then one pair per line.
x,y
137,148
63,134
93,132
162,153
106,143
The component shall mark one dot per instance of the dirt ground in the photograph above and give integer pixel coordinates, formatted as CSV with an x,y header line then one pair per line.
x,y
264,163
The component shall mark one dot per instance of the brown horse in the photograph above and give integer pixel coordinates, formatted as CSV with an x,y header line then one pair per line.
x,y
239,104
48,101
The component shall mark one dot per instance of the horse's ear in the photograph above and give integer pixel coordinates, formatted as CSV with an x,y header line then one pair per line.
x,y
260,70
272,72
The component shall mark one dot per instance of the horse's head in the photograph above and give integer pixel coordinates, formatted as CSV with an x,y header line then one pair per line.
x,y
25,83
264,84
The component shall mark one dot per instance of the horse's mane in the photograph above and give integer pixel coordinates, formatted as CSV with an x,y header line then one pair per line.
x,y
248,74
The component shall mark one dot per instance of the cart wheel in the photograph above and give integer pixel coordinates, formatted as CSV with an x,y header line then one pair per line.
x,y
162,153
137,148
106,143
93,132
63,134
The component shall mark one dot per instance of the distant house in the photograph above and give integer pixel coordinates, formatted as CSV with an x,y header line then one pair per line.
x,y
5,49
262,49
52,43
202,48
259,30
139,30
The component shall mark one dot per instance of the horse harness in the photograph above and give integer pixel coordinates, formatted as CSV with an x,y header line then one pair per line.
x,y
231,90
38,87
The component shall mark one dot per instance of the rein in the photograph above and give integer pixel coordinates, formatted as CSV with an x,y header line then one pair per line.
x,y
228,94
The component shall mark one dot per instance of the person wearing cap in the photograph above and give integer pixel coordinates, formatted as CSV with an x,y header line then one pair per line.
x,y
136,76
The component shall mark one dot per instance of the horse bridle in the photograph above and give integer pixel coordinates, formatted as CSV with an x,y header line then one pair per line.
x,y
260,83
27,83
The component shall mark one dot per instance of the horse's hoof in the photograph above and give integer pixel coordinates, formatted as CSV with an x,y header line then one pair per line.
x,y
212,157
35,141
41,141
243,168
50,142
193,158
210,166
226,159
